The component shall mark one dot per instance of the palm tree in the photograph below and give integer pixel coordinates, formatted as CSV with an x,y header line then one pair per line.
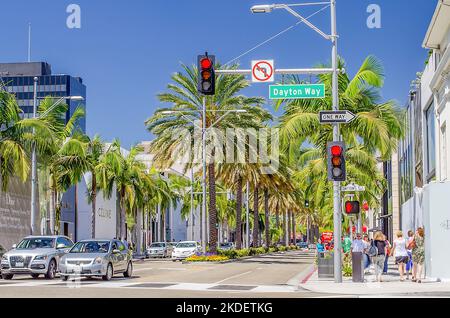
x,y
48,153
124,171
183,96
78,155
14,158
374,133
378,125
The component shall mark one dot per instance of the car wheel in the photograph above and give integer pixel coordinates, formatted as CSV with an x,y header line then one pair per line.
x,y
7,276
35,276
129,272
64,278
51,272
109,273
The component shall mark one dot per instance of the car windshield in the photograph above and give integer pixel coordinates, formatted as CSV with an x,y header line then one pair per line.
x,y
91,247
226,244
186,245
32,243
158,245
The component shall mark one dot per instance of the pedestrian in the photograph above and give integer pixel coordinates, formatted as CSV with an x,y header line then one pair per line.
x,y
320,247
347,244
418,254
386,260
379,242
358,244
366,257
400,253
409,265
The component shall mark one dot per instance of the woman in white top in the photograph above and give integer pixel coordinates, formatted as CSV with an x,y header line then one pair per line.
x,y
399,251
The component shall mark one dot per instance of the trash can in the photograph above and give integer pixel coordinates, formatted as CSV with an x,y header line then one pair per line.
x,y
357,267
325,265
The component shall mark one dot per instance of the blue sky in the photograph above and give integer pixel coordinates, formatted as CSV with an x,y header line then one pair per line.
x,y
126,51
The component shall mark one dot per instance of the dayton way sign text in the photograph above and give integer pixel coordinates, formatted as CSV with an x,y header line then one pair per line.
x,y
297,91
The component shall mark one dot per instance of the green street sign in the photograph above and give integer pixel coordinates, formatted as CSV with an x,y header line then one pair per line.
x,y
297,91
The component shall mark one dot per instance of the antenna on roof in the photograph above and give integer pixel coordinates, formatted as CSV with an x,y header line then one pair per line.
x,y
29,42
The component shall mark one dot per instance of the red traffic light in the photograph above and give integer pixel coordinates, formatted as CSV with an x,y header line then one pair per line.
x,y
352,207
206,63
336,150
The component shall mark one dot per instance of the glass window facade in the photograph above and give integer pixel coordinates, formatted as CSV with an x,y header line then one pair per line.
x,y
406,165
431,142
48,85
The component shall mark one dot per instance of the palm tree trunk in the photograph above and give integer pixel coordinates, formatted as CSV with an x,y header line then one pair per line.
x,y
277,216
255,218
52,214
266,215
285,239
289,227
212,209
294,228
150,229
123,228
239,214
94,203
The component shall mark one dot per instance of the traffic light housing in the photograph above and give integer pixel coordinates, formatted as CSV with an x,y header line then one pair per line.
x,y
206,74
336,161
352,207
306,204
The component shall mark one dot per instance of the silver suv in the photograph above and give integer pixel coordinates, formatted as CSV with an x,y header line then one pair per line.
x,y
35,255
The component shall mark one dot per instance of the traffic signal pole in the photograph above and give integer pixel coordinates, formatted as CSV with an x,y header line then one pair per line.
x,y
336,137
204,238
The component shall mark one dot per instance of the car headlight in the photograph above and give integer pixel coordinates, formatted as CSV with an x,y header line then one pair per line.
x,y
40,258
4,258
98,260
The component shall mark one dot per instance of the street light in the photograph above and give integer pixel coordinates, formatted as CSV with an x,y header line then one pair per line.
x,y
33,153
263,8
333,37
204,110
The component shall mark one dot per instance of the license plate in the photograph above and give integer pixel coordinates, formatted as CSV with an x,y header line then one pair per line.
x,y
19,264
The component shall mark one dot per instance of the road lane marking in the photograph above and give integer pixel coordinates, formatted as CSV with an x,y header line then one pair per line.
x,y
235,276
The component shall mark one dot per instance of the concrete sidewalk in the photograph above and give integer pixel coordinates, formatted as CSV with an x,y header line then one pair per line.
x,y
390,287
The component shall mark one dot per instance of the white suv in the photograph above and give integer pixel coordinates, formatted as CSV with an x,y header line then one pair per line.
x,y
35,255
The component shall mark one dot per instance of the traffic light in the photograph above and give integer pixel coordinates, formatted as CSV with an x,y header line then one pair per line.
x,y
306,204
206,74
352,207
336,161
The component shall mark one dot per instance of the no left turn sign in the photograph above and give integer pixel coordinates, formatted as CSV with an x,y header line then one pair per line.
x,y
263,71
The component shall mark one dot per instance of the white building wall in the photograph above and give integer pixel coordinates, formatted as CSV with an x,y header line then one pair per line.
x,y
105,217
436,220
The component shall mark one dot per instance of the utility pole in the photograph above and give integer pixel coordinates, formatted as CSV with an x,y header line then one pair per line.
x,y
336,137
34,165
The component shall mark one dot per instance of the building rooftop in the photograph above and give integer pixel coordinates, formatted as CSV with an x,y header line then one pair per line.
x,y
439,25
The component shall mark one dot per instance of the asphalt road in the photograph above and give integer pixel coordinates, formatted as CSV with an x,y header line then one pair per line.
x,y
277,275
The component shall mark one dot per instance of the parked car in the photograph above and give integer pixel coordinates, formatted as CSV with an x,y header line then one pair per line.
x,y
302,244
97,258
159,249
185,249
35,255
225,246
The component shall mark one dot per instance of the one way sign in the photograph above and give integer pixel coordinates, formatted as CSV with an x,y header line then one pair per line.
x,y
336,117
